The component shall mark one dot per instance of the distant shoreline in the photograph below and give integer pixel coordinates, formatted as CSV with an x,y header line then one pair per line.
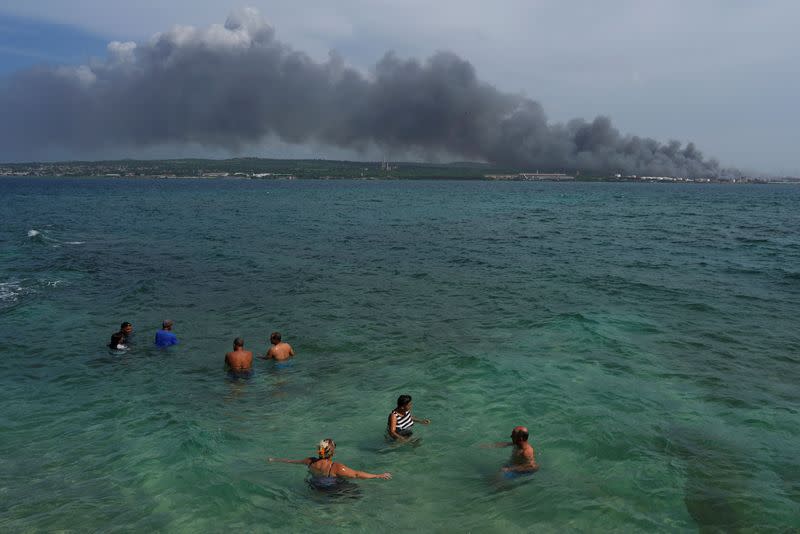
x,y
315,169
416,179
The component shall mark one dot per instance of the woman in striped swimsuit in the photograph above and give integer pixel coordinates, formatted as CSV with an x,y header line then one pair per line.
x,y
401,420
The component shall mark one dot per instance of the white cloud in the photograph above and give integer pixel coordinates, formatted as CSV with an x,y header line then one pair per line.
x,y
82,74
121,52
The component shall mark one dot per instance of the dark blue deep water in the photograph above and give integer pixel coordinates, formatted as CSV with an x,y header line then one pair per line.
x,y
645,333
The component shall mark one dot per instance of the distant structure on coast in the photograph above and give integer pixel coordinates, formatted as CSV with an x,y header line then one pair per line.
x,y
319,169
531,176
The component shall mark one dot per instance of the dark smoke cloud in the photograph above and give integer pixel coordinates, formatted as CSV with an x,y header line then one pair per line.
x,y
232,86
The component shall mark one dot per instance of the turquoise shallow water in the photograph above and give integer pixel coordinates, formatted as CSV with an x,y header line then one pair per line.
x,y
645,333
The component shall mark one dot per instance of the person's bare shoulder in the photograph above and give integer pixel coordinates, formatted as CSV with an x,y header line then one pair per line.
x,y
529,452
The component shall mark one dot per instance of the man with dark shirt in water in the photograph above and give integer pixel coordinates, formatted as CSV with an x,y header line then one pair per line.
x,y
126,329
117,342
279,351
523,457
239,359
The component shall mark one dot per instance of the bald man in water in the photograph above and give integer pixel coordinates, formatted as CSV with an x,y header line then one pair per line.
x,y
523,457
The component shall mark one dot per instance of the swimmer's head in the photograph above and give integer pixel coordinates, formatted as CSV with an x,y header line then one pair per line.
x,y
520,433
275,338
167,324
126,328
326,447
238,343
403,401
117,338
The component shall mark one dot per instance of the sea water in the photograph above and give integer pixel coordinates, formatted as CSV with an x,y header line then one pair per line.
x,y
646,334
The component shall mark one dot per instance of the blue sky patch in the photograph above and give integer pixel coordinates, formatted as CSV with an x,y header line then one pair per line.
x,y
27,42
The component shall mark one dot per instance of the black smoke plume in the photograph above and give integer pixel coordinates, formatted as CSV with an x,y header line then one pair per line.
x,y
231,86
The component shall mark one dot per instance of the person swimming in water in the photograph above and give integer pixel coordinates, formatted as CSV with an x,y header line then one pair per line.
x,y
165,337
400,420
279,351
117,341
126,329
239,360
523,457
324,471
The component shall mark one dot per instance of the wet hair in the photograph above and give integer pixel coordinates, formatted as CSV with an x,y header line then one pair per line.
x,y
402,400
326,447
238,342
116,339
124,325
275,337
167,323
520,432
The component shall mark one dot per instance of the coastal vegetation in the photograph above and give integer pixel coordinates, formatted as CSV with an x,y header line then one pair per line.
x,y
264,168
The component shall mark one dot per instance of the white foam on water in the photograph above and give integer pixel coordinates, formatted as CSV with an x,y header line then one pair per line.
x,y
13,290
37,233
10,292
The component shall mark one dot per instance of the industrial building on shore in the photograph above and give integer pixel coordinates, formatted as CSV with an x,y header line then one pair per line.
x,y
530,176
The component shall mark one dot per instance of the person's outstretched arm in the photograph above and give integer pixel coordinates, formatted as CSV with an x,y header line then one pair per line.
x,y
421,421
342,470
305,461
497,445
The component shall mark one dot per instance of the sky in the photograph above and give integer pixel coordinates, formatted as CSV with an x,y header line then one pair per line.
x,y
722,74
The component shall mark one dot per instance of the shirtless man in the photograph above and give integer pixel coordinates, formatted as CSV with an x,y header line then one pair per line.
x,y
239,359
523,457
279,351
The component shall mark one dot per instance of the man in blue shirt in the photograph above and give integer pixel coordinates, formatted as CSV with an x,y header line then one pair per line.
x,y
165,337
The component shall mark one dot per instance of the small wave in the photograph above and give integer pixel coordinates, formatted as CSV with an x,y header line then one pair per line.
x,y
13,291
741,270
701,307
574,317
790,275
37,235
40,236
752,240
10,293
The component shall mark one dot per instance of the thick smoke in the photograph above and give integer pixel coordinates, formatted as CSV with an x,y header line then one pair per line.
x,y
231,86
